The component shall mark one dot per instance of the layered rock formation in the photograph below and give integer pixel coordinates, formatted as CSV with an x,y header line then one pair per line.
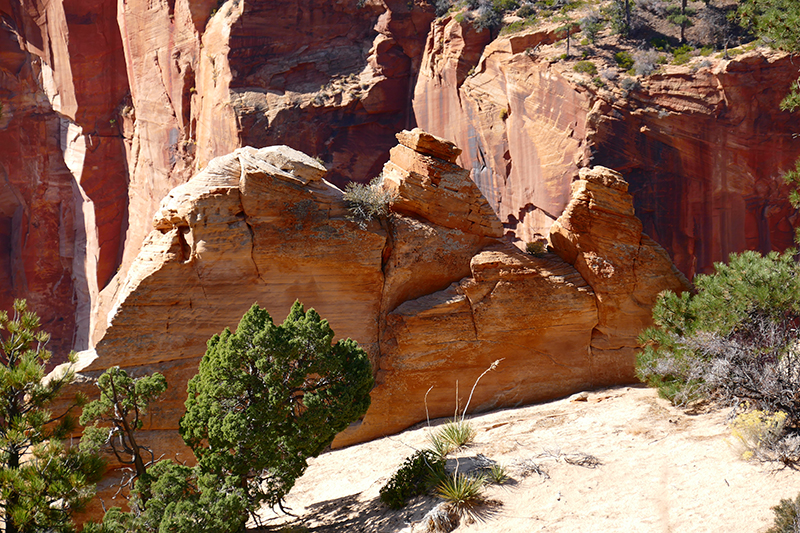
x,y
133,98
560,322
702,147
431,293
599,234
208,77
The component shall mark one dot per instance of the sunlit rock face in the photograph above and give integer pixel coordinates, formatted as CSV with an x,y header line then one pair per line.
x,y
431,292
599,234
63,173
107,106
702,146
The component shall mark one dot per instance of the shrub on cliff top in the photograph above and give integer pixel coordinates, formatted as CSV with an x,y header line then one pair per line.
x,y
586,67
368,202
624,60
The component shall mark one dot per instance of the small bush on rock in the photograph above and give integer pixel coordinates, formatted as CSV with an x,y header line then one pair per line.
x,y
682,55
416,476
537,248
526,11
586,67
644,62
452,436
624,60
368,202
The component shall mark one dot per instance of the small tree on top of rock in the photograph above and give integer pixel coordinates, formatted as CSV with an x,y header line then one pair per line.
x,y
268,397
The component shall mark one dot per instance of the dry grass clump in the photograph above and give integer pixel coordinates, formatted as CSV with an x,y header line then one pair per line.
x,y
368,202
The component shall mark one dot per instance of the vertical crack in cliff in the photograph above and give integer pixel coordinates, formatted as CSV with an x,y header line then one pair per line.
x,y
164,86
472,310
187,257
243,216
386,253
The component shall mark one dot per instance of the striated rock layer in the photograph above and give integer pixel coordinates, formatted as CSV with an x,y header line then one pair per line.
x,y
431,293
107,106
207,77
703,147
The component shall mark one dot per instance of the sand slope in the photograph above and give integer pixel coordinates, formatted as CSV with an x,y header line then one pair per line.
x,y
662,470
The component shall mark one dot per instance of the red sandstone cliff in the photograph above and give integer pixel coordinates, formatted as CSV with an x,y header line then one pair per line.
x,y
63,177
702,147
107,106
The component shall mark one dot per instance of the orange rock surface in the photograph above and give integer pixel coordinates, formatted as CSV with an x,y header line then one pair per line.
x,y
599,235
107,106
431,293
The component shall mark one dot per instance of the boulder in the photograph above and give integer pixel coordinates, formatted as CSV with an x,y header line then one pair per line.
x,y
430,186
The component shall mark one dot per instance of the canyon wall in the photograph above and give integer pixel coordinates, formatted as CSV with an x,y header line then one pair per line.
x,y
109,105
702,145
63,172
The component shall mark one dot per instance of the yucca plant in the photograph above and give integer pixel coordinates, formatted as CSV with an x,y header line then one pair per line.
x,y
496,474
462,491
452,436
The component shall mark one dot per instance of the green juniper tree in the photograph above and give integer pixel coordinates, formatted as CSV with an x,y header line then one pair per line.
x,y
733,339
619,13
268,397
569,29
265,399
41,480
180,500
681,16
591,25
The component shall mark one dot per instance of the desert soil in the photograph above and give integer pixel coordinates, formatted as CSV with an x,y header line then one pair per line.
x,y
662,469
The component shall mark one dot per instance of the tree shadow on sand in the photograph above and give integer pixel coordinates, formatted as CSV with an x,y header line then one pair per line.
x,y
350,514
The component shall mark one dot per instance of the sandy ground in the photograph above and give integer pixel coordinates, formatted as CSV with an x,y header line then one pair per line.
x,y
662,470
